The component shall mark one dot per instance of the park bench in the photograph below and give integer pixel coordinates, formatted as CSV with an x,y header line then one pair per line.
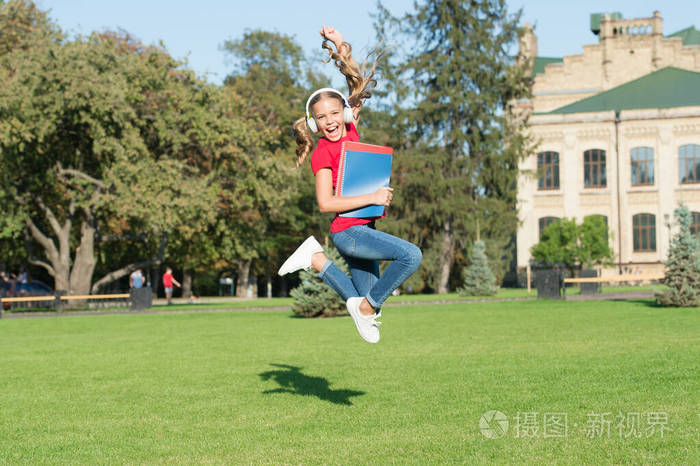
x,y
58,300
631,278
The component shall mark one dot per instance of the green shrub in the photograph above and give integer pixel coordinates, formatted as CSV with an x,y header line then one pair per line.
x,y
682,265
313,297
478,277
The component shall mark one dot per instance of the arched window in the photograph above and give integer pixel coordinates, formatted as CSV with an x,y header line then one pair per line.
x,y
695,225
644,232
548,170
594,169
642,166
545,222
689,163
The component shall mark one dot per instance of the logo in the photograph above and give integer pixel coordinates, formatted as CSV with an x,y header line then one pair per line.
x,y
493,424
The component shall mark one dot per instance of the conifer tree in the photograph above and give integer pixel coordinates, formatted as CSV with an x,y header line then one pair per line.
x,y
455,85
313,297
682,265
478,277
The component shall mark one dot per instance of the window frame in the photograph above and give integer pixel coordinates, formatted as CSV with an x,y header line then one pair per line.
x,y
545,168
684,163
598,166
695,223
644,230
644,156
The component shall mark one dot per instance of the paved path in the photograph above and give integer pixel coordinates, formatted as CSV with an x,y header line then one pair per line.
x,y
252,307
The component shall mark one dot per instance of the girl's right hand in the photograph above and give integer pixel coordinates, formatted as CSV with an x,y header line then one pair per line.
x,y
383,196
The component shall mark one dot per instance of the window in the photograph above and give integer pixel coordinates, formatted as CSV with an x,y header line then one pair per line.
x,y
642,166
594,169
548,169
644,232
545,222
689,163
695,225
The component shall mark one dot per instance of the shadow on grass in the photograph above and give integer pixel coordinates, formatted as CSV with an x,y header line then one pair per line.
x,y
292,380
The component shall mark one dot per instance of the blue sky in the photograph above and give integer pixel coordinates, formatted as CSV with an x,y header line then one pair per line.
x,y
196,30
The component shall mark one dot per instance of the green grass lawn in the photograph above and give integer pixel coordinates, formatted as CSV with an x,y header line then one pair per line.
x,y
253,387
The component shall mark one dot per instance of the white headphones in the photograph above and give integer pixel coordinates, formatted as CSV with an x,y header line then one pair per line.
x,y
348,117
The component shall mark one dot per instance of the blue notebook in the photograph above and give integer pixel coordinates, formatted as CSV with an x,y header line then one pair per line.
x,y
363,169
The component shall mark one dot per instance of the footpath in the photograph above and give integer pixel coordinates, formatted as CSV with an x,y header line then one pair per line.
x,y
201,305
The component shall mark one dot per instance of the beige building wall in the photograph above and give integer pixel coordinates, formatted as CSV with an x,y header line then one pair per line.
x,y
615,60
665,131
618,58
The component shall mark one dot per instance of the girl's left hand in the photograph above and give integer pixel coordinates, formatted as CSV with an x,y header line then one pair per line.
x,y
330,33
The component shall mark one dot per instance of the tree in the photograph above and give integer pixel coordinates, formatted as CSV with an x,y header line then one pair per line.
x,y
558,244
102,137
682,265
594,247
273,203
454,86
566,243
313,297
478,278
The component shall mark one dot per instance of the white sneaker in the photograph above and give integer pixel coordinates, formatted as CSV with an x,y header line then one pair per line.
x,y
301,258
367,326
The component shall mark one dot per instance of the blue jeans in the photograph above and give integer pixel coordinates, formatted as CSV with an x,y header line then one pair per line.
x,y
362,247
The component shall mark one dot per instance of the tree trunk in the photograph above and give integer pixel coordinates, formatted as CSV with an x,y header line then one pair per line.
x,y
252,291
84,264
187,283
269,287
58,265
242,279
156,278
447,254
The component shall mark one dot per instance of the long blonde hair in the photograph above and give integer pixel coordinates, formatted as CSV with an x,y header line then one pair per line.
x,y
360,81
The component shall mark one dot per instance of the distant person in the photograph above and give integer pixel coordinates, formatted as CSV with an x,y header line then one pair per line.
x,y
136,279
168,282
23,277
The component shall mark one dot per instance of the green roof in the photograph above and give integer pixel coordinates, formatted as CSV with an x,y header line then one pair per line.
x,y
690,35
539,63
666,88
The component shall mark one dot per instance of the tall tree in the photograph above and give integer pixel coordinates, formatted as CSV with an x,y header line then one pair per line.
x,y
271,202
682,265
102,136
455,84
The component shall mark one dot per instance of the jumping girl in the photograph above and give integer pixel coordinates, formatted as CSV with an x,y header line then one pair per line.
x,y
357,240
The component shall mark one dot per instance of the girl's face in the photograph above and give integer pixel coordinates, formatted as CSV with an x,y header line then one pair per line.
x,y
328,113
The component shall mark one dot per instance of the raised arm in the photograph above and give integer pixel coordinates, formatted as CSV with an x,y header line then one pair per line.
x,y
359,82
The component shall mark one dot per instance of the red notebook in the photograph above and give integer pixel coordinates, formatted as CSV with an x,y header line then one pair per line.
x,y
363,169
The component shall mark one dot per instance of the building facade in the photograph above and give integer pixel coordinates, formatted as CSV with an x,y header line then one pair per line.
x,y
617,134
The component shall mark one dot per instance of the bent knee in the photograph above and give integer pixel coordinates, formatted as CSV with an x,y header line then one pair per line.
x,y
413,256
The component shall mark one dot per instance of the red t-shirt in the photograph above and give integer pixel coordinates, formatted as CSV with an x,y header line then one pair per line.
x,y
327,155
167,280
